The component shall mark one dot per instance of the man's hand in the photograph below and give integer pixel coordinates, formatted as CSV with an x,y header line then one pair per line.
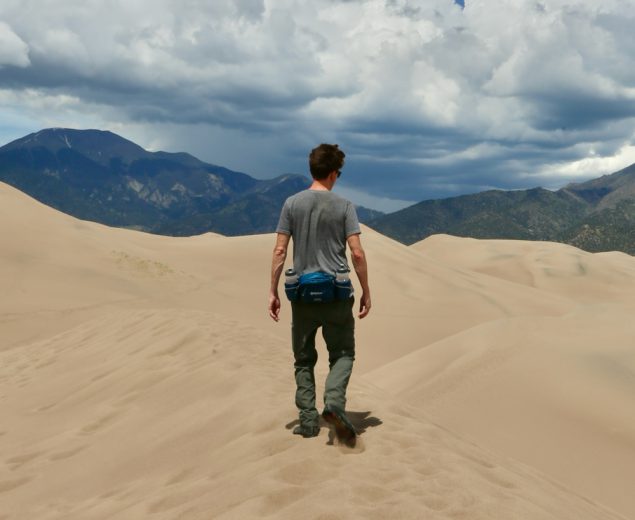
x,y
361,269
274,307
277,264
364,305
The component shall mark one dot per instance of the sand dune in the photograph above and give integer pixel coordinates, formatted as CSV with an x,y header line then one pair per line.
x,y
141,377
555,392
548,266
182,414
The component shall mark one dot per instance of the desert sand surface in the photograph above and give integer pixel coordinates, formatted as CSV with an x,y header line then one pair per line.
x,y
140,377
556,392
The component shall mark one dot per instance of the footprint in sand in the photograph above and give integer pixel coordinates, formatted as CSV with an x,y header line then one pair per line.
x,y
8,485
348,449
179,477
102,375
497,480
477,459
116,492
45,408
177,499
186,341
66,454
367,493
435,503
278,500
99,424
46,363
306,471
127,399
20,460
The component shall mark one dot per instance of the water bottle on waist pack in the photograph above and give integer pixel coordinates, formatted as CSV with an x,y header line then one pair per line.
x,y
291,284
343,285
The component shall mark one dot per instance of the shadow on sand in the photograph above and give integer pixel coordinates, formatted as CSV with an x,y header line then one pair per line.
x,y
360,420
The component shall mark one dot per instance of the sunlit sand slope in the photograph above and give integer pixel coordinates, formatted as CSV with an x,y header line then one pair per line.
x,y
185,414
140,377
554,392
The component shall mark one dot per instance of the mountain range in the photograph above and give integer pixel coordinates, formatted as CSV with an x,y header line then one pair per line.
x,y
100,176
97,175
597,215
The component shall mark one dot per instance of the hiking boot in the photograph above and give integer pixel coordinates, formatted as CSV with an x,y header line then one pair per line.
x,y
344,430
306,431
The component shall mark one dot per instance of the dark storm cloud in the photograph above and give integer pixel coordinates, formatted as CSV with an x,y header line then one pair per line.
x,y
428,99
579,111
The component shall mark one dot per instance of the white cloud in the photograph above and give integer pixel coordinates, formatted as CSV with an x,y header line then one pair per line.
x,y
593,165
502,90
13,50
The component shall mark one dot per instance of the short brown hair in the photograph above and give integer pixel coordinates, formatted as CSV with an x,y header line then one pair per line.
x,y
325,159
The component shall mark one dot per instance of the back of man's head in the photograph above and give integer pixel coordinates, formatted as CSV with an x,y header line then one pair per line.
x,y
325,159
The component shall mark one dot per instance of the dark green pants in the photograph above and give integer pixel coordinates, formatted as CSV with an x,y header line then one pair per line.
x,y
338,330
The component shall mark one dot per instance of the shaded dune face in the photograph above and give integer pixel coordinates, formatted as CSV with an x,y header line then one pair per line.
x,y
141,377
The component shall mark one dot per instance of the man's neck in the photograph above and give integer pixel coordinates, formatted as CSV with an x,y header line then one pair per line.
x,y
321,185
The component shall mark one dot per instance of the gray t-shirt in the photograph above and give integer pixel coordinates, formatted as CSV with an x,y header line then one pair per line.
x,y
319,223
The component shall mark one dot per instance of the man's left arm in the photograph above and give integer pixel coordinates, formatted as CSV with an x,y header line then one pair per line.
x,y
277,264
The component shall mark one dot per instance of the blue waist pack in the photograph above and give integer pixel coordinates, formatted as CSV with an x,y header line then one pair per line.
x,y
318,287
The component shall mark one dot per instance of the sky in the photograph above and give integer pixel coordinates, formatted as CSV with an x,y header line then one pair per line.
x,y
427,98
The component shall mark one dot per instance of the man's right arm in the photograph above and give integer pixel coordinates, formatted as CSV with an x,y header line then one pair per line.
x,y
277,265
358,256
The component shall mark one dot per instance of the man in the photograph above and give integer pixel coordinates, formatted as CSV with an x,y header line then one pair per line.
x,y
321,225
